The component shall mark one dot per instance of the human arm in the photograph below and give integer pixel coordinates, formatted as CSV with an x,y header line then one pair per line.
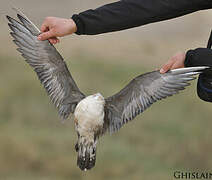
x,y
120,15
126,14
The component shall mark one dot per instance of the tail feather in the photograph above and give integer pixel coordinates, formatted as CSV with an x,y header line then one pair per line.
x,y
86,155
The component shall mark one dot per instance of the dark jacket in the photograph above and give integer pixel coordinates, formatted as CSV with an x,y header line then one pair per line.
x,y
126,14
132,13
202,57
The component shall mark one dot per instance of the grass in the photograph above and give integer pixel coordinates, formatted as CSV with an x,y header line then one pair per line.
x,y
174,134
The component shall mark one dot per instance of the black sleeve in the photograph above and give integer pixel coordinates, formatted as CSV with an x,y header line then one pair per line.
x,y
202,57
126,14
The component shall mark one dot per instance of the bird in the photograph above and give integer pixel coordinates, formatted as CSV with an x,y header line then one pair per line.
x,y
93,115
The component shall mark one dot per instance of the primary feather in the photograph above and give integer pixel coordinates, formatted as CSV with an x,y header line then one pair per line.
x,y
49,65
142,92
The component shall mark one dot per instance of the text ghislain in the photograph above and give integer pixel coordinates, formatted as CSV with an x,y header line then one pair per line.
x,y
192,175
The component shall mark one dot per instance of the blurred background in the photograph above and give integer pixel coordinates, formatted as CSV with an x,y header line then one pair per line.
x,y
174,134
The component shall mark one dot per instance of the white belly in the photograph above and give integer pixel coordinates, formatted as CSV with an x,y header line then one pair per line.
x,y
89,115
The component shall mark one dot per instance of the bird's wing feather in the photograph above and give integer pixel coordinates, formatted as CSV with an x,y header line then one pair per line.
x,y
142,92
49,65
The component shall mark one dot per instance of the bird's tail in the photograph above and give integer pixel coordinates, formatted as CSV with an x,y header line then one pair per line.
x,y
86,153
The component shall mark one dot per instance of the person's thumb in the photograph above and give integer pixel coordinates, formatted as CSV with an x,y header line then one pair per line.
x,y
46,35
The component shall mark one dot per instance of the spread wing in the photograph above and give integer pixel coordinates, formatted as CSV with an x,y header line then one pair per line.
x,y
48,64
142,92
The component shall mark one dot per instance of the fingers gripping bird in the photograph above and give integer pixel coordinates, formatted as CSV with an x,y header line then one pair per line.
x,y
94,115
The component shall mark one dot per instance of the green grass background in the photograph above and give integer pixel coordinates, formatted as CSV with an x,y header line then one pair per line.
x,y
174,134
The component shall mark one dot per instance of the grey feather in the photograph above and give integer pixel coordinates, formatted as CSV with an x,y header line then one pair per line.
x,y
48,64
27,23
142,92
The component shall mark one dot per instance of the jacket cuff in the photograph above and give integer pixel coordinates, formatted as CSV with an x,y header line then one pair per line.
x,y
189,58
198,57
79,23
201,57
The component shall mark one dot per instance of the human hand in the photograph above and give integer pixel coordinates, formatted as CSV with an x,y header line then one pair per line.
x,y
54,27
177,61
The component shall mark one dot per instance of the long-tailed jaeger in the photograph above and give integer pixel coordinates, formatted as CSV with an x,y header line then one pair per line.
x,y
94,115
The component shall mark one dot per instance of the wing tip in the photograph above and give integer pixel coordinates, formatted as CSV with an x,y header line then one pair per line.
x,y
20,17
19,12
198,69
24,20
12,34
8,17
